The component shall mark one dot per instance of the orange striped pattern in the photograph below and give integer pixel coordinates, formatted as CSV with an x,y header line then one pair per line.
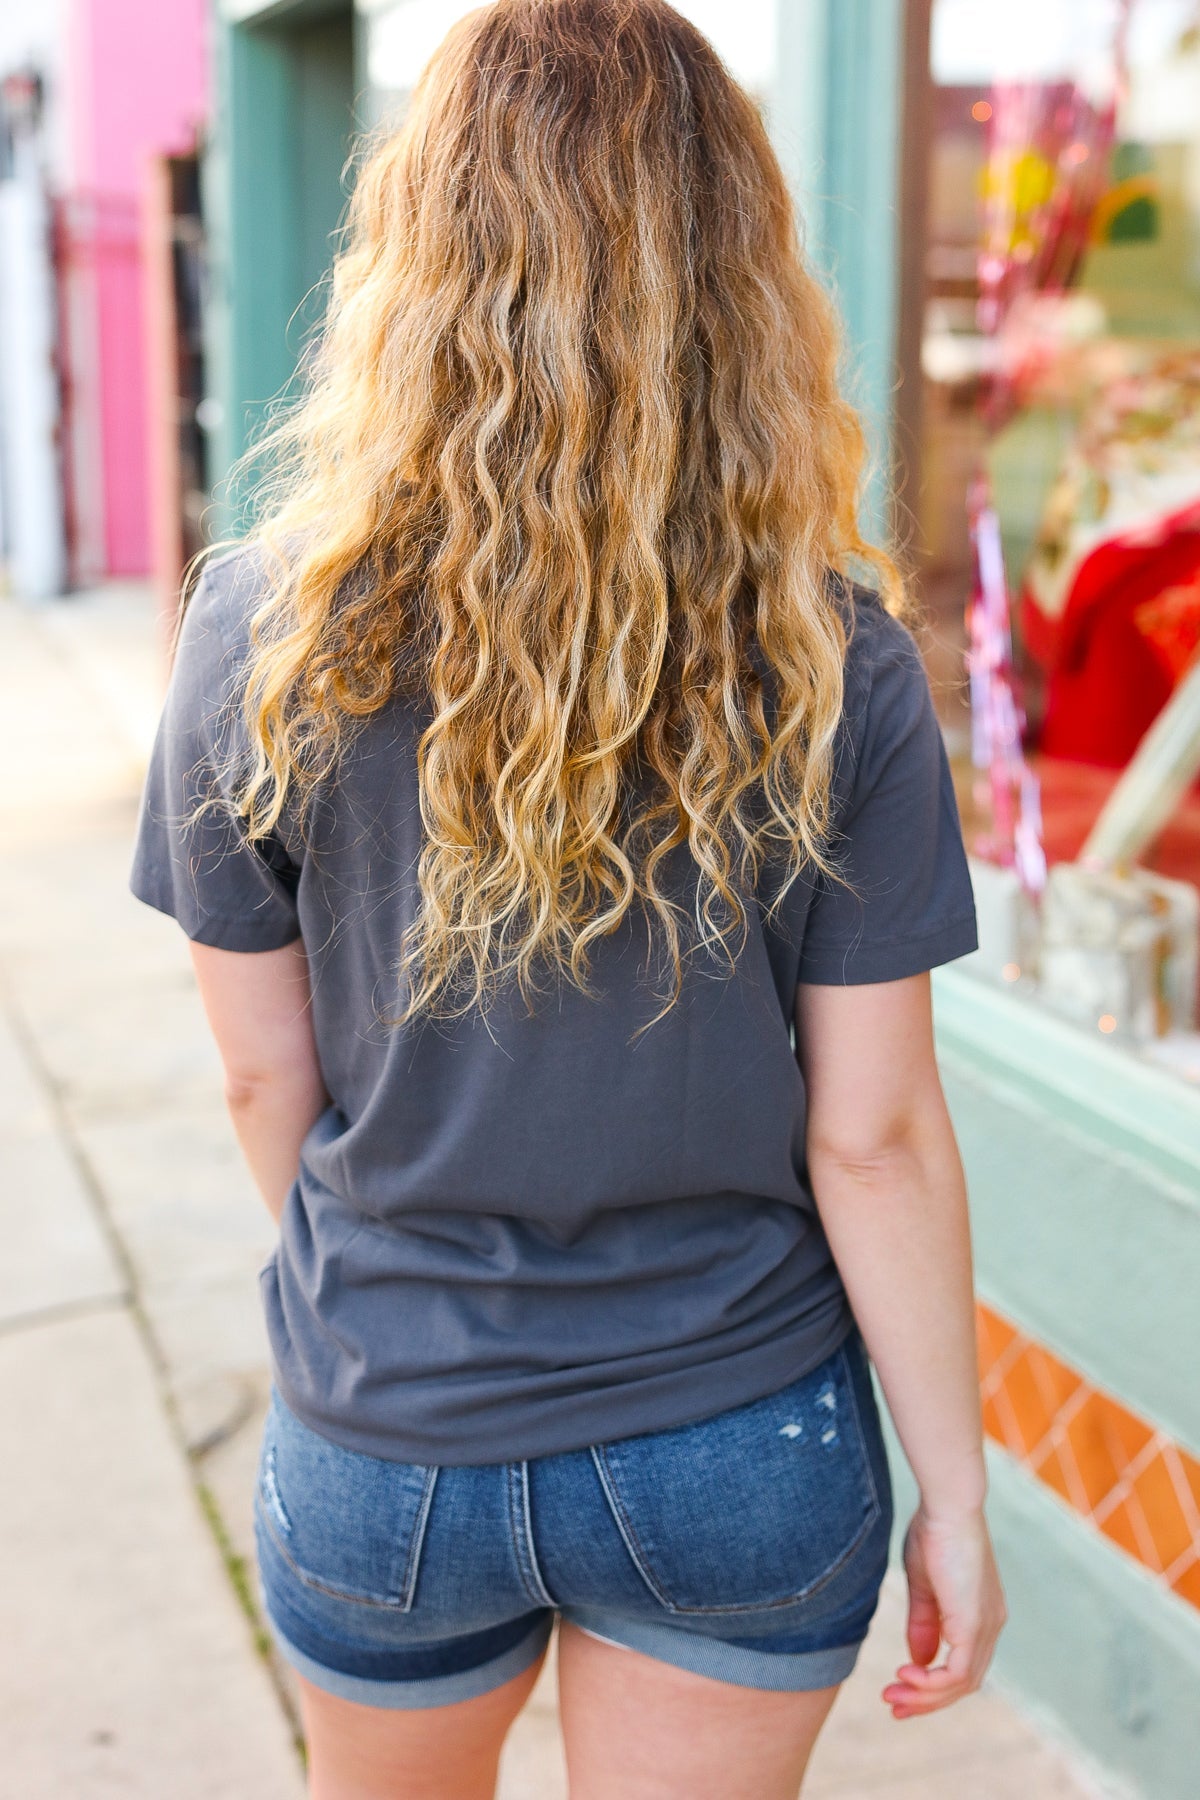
x,y
1127,1478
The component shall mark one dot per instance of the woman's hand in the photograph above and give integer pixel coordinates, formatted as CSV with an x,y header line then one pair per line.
x,y
954,1594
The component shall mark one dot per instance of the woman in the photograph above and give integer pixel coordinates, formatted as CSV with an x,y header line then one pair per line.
x,y
564,841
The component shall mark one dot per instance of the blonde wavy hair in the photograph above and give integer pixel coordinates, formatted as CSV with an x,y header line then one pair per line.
x,y
572,466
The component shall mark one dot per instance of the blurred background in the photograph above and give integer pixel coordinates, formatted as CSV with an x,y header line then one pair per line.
x,y
1006,200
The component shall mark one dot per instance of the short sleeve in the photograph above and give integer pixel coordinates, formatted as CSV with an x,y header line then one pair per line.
x,y
908,905
200,867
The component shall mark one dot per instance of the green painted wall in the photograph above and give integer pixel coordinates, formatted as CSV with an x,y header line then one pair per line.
x,y
1095,1653
1083,1164
274,196
837,116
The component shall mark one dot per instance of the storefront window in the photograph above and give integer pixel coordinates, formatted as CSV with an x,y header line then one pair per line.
x,y
1059,472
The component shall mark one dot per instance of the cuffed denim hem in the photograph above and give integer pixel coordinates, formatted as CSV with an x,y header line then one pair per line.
x,y
434,1690
783,1672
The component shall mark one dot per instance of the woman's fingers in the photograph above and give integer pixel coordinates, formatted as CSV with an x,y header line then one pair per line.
x,y
924,1624
911,1705
919,1689
924,1614
954,1593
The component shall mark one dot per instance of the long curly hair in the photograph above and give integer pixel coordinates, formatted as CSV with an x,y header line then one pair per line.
x,y
572,463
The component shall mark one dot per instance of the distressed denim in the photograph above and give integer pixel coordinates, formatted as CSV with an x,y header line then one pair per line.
x,y
748,1546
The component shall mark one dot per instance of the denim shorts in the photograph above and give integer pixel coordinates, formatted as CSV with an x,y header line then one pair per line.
x,y
748,1546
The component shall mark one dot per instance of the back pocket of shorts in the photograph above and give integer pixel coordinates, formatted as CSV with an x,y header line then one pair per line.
x,y
755,1508
349,1525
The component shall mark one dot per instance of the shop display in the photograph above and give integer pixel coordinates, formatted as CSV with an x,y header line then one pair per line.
x,y
1111,602
1062,416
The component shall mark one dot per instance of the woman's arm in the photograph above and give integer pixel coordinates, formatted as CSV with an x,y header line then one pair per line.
x,y
889,1187
259,1007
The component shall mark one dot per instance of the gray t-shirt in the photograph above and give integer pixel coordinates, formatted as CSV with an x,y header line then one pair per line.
x,y
524,1235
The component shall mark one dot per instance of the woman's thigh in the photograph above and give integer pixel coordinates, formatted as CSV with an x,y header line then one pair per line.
x,y
452,1752
636,1728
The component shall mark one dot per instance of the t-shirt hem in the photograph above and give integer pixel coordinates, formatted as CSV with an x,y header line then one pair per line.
x,y
851,965
574,1423
213,929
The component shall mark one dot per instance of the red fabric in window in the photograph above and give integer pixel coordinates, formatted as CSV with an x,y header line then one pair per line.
x,y
1107,677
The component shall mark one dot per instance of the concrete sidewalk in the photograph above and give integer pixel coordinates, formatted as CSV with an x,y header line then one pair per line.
x,y
133,1372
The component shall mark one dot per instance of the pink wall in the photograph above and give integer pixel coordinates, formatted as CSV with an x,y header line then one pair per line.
x,y
138,81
